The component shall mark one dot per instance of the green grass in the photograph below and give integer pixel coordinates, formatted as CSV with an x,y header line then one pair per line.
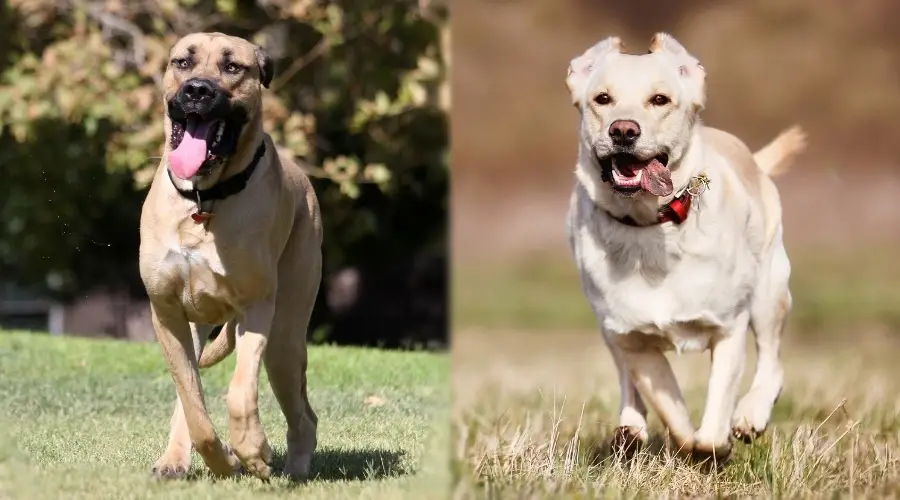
x,y
831,291
89,418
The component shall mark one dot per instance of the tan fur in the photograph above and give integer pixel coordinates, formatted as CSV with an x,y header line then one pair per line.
x,y
221,347
776,157
256,266
755,170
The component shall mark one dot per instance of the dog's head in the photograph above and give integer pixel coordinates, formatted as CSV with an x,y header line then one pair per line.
x,y
213,89
637,113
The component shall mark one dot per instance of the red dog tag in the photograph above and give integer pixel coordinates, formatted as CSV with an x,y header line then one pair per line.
x,y
201,217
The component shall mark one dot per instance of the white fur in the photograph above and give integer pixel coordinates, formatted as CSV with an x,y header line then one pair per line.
x,y
690,287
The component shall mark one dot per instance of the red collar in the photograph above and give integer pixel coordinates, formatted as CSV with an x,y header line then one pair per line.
x,y
675,211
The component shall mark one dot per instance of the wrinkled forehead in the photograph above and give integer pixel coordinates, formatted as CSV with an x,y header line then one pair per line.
x,y
628,73
204,46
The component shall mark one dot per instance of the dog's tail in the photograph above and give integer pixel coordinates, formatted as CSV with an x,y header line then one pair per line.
x,y
220,347
776,157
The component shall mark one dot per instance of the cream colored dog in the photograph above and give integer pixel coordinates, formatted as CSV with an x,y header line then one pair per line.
x,y
230,233
676,231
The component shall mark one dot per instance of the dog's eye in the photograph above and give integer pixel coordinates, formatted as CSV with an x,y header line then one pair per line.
x,y
181,63
602,99
659,100
232,68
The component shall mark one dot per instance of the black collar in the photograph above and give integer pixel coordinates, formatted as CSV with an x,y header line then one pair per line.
x,y
230,186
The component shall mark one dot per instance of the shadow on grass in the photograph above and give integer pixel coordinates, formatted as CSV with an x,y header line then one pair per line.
x,y
354,465
601,450
330,465
657,447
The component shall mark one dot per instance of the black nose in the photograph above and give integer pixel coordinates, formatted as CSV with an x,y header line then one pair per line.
x,y
624,132
199,91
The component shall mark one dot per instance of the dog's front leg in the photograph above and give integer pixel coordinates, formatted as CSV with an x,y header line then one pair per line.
x,y
176,459
713,438
652,375
174,335
631,434
247,436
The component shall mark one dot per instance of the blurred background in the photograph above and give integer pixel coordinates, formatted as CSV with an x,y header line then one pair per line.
x,y
359,96
535,390
833,69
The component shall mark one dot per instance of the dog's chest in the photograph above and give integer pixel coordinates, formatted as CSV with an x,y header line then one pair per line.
x,y
210,281
684,292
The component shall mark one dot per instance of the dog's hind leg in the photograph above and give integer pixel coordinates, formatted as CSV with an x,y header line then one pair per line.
x,y
770,309
652,375
632,431
286,358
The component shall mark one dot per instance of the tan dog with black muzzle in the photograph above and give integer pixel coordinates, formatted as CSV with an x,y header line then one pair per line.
x,y
230,233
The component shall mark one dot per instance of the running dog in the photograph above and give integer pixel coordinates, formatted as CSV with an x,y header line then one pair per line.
x,y
676,231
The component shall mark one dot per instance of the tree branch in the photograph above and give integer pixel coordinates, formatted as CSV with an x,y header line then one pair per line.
x,y
299,64
109,21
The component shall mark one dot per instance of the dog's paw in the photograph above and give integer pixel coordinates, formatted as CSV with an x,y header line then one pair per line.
x,y
628,440
746,433
170,469
224,463
168,472
236,467
752,414
257,463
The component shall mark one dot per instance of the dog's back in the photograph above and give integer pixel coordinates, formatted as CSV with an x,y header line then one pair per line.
x,y
297,182
754,171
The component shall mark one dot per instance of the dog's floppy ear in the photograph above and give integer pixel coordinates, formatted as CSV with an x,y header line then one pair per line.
x,y
266,66
581,67
689,69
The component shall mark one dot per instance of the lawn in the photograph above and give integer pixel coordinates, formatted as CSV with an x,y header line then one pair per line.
x,y
536,392
89,417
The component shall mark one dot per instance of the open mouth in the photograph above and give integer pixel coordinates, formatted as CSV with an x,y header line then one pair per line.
x,y
629,175
197,145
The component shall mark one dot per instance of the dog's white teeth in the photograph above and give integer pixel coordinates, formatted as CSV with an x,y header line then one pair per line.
x,y
219,131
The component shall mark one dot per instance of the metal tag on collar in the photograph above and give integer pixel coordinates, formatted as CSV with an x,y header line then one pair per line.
x,y
698,185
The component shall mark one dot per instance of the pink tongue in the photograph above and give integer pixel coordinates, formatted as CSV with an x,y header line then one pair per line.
x,y
187,158
656,179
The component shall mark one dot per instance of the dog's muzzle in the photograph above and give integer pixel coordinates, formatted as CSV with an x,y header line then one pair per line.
x,y
205,128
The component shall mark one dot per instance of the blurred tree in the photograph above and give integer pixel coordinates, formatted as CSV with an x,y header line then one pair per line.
x,y
359,96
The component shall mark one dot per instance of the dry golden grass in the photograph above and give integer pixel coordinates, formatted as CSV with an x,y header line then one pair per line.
x,y
533,413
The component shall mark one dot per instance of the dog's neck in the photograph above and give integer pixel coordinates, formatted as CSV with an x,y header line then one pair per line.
x,y
644,208
247,144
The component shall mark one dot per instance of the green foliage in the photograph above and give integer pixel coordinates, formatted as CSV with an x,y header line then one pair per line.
x,y
356,96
